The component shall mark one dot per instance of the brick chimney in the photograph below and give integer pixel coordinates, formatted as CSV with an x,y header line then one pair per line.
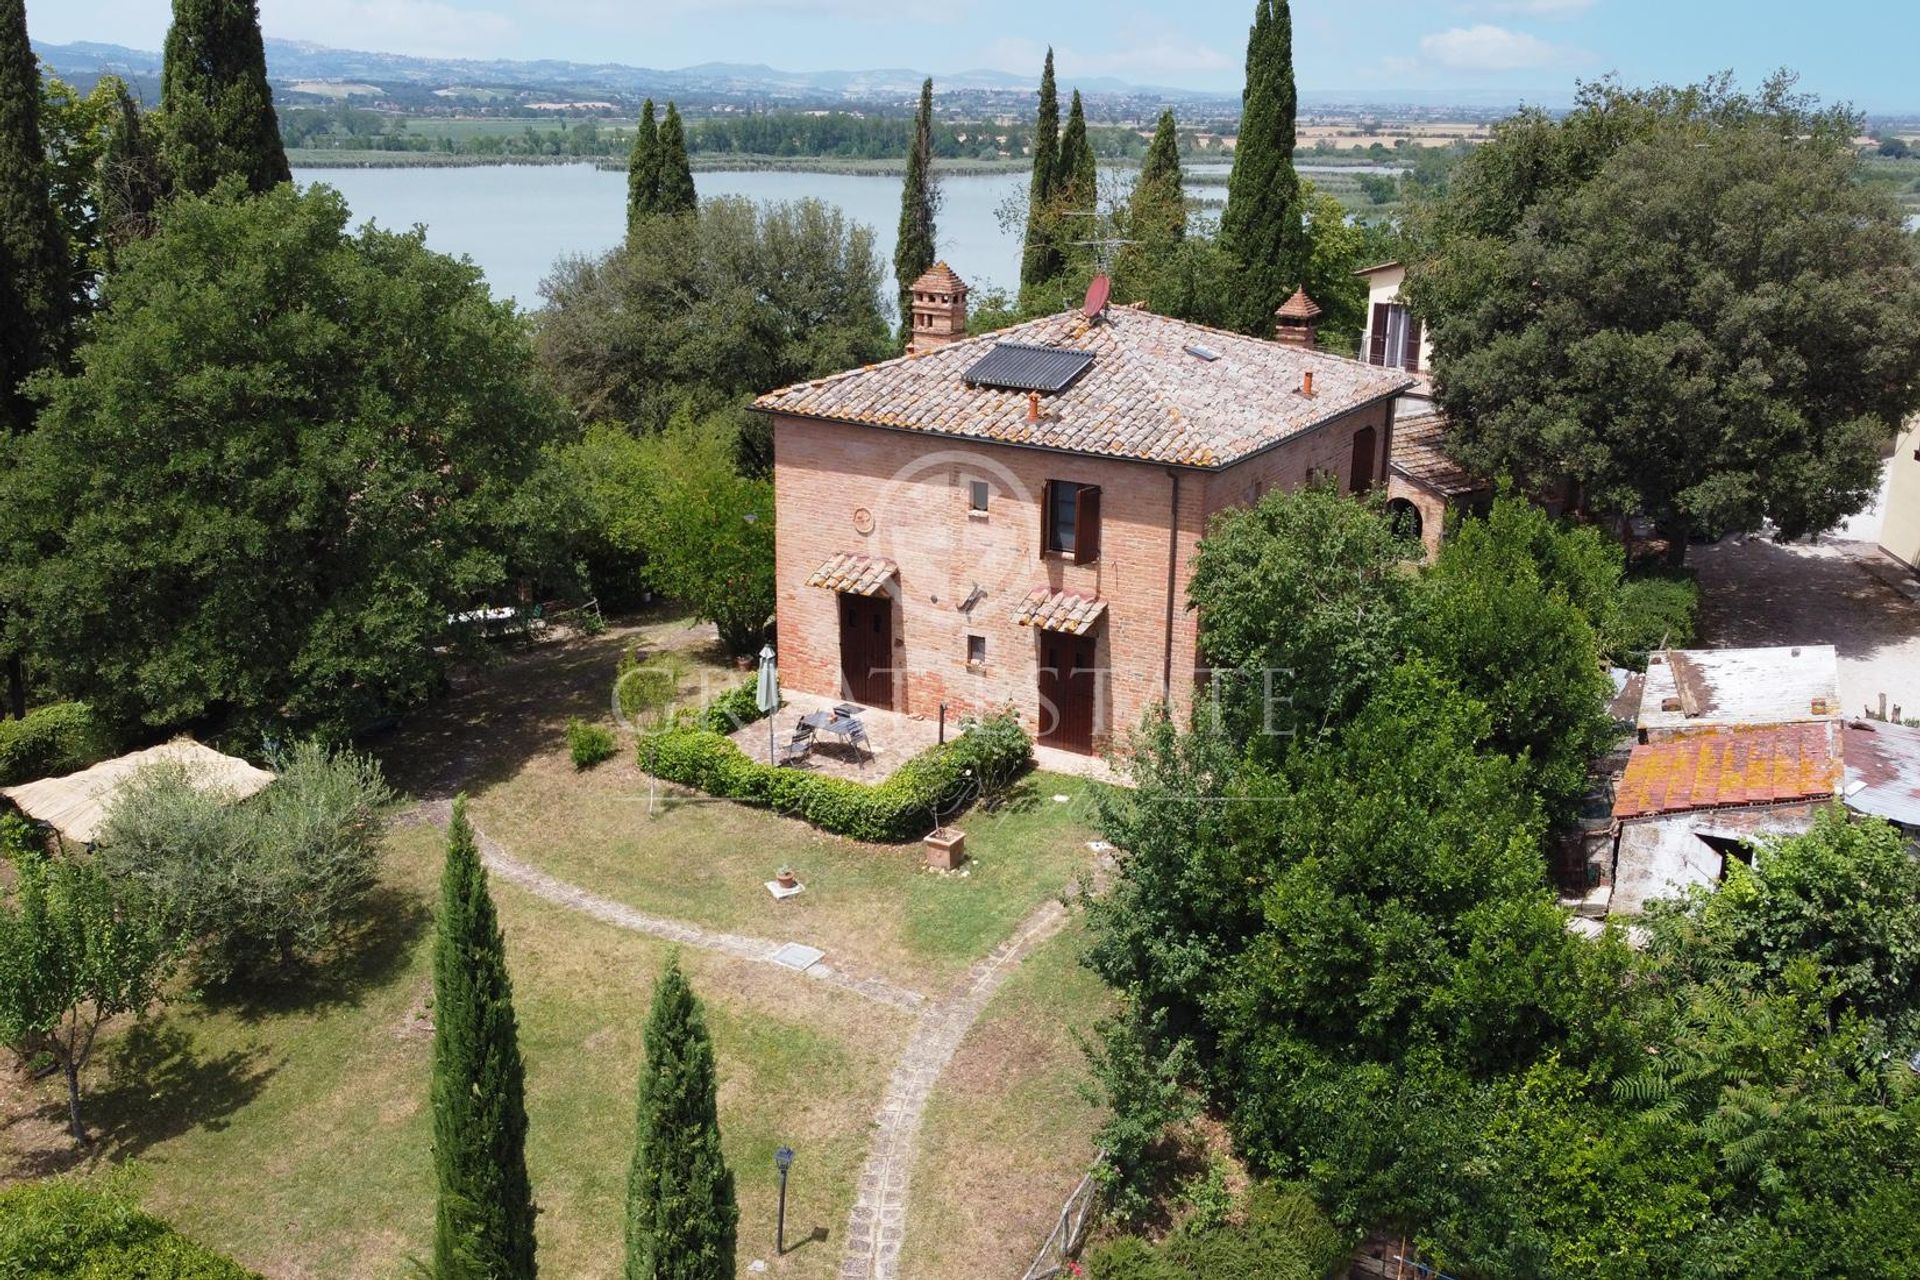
x,y
1293,322
938,305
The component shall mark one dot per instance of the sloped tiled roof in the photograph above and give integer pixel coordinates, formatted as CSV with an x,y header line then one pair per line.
x,y
854,574
1420,454
1059,611
939,278
1299,307
1146,397
1774,764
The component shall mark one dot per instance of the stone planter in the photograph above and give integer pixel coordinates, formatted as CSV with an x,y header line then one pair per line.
x,y
946,848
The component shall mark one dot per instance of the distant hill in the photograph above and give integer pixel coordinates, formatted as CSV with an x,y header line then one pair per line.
x,y
303,69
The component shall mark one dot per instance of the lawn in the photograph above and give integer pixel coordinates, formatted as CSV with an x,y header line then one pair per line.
x,y
293,1133
297,1137
1007,1132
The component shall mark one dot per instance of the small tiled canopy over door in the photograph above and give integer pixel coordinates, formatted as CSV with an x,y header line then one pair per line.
x,y
1366,455
866,649
1069,687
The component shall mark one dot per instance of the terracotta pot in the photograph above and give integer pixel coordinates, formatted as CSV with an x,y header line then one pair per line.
x,y
946,848
786,879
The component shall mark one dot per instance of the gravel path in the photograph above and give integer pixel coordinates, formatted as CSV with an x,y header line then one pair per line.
x,y
502,863
878,1225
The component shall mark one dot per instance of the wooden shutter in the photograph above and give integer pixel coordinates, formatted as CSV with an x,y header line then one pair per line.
x,y
1377,345
1086,524
1046,516
1412,364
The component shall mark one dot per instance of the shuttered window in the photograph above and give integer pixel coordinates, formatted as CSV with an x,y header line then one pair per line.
x,y
1070,520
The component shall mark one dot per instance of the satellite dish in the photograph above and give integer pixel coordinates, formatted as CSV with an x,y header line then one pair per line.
x,y
1097,294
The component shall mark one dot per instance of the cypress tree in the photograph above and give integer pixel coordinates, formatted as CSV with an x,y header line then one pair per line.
x,y
213,90
1039,258
643,169
676,171
1262,225
132,180
913,251
1156,209
682,1218
1073,179
483,1216
34,265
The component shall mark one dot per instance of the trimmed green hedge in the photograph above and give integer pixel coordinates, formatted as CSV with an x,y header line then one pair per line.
x,y
734,709
66,1229
58,738
901,808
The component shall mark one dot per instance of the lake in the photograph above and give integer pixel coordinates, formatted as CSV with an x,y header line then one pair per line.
x,y
515,221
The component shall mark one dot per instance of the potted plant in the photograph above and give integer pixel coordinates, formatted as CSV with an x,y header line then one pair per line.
x,y
946,847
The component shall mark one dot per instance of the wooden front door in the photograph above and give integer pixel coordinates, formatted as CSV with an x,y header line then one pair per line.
x,y
1069,686
866,650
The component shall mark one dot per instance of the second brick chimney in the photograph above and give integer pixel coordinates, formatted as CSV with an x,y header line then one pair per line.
x,y
938,307
1293,322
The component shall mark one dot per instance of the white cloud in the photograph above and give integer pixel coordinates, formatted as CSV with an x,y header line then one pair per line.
x,y
423,28
1485,47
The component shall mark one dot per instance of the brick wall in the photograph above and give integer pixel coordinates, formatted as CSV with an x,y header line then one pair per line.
x,y
910,493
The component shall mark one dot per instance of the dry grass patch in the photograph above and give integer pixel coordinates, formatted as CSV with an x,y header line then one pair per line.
x,y
296,1137
1007,1133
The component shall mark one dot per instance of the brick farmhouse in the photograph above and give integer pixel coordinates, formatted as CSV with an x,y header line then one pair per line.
x,y
1009,520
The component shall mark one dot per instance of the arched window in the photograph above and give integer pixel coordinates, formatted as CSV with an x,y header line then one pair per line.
x,y
1404,517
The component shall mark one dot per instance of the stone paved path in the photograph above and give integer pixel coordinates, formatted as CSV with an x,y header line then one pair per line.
x,y
878,1224
502,863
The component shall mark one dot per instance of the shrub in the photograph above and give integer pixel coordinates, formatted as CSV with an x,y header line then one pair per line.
x,y
901,808
54,739
588,744
262,884
646,690
1657,607
734,709
64,1227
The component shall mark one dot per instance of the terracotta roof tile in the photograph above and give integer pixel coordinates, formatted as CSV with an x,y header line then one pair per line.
x,y
1059,611
1146,397
1774,764
1420,454
939,278
1299,307
854,574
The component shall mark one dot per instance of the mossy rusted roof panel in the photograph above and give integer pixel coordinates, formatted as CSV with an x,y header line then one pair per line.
x,y
1720,768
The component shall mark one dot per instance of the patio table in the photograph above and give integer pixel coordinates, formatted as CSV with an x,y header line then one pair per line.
x,y
845,727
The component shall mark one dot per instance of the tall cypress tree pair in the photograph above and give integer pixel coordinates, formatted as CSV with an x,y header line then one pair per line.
x,y
659,174
914,249
1262,227
1039,257
682,1218
483,1215
218,108
1074,173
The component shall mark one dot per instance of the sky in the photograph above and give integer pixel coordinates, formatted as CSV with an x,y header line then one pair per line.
x,y
1862,51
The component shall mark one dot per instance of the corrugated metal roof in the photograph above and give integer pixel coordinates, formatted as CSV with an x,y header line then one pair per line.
x,y
1883,770
1716,688
1719,768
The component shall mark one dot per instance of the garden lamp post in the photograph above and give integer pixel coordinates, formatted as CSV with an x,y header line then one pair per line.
x,y
783,1161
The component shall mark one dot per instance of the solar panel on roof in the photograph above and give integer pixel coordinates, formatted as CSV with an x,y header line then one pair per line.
x,y
1016,366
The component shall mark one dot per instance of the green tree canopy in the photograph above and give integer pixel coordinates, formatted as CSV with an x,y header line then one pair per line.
x,y
738,300
1039,256
1680,299
643,169
218,106
483,1214
682,1218
281,465
1262,226
914,250
675,194
74,954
